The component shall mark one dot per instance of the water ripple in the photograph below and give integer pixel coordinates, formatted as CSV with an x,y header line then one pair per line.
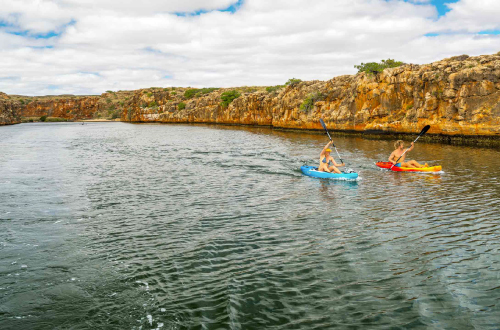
x,y
176,227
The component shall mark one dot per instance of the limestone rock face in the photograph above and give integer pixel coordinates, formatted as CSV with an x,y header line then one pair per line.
x,y
73,108
456,96
10,110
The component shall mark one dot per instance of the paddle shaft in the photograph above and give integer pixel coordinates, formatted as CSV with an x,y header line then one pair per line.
x,y
424,130
333,144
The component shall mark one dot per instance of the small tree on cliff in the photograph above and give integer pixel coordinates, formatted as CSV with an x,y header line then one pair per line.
x,y
374,67
228,97
310,100
292,82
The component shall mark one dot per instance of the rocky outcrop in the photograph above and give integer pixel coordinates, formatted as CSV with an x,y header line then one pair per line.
x,y
458,96
71,107
10,110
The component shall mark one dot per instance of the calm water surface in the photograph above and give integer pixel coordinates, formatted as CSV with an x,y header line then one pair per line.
x,y
122,226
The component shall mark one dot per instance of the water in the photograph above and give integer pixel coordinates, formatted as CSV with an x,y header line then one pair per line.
x,y
122,226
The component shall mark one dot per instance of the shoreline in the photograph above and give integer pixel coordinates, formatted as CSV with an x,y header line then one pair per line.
x,y
97,120
458,140
28,120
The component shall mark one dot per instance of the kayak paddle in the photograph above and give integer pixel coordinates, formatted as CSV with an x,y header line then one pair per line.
x,y
424,130
324,126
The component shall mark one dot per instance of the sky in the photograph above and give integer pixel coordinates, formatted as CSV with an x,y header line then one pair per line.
x,y
85,47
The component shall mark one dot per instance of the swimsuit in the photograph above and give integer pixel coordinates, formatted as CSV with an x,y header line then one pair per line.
x,y
397,165
329,162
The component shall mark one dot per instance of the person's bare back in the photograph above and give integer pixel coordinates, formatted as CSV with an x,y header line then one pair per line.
x,y
399,152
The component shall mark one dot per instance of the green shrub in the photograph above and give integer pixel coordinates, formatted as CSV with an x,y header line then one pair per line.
x,y
152,104
181,106
190,93
274,89
228,97
108,101
374,67
198,92
173,88
292,82
149,94
409,106
109,91
22,101
43,118
129,114
208,90
115,115
174,93
308,103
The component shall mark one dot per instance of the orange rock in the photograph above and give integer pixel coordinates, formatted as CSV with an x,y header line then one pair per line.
x,y
456,96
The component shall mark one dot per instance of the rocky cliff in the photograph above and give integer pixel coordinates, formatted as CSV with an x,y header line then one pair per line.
x,y
10,110
456,96
73,108
70,107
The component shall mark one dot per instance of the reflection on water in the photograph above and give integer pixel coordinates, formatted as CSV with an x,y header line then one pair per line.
x,y
112,225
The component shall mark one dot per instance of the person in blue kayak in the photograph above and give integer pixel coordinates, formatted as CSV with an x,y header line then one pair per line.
x,y
326,162
399,152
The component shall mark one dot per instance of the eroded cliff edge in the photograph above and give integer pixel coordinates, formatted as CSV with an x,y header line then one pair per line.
x,y
458,96
10,110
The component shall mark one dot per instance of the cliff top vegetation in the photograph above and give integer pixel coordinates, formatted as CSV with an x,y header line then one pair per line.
x,y
374,67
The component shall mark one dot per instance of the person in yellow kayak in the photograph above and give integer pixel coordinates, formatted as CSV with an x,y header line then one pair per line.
x,y
399,152
326,162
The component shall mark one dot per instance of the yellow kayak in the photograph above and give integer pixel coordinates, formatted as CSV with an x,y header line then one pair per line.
x,y
409,169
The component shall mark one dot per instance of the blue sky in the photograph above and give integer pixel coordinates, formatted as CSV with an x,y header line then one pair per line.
x,y
441,7
232,8
87,47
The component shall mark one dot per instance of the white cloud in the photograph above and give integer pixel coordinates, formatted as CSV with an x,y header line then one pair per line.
x,y
128,44
471,16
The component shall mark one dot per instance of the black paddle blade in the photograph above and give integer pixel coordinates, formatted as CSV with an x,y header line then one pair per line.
x,y
322,123
424,130
324,126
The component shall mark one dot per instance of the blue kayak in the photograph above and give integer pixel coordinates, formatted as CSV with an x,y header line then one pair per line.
x,y
313,171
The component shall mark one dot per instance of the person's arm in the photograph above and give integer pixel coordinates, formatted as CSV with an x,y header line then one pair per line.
x,y
391,158
326,147
335,163
411,148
